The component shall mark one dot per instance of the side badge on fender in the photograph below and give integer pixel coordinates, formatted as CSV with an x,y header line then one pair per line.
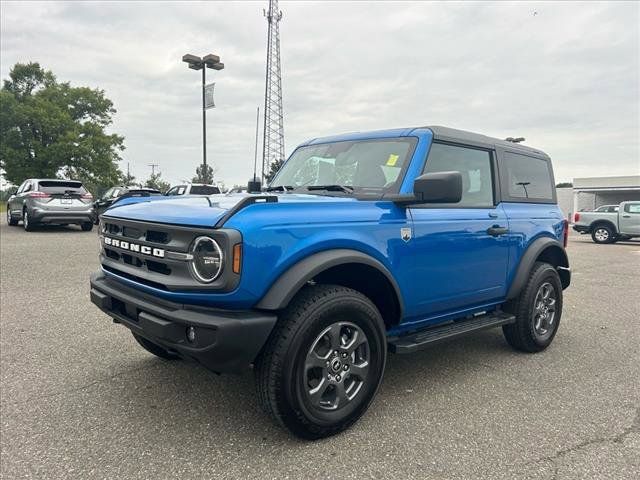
x,y
405,234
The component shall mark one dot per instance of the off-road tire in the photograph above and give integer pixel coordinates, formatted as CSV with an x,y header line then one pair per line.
x,y
157,350
522,335
281,371
10,218
603,234
87,226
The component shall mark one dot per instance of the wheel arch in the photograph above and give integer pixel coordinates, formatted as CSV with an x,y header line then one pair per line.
x,y
545,249
349,268
607,223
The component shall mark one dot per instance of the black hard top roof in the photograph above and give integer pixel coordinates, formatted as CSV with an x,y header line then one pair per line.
x,y
461,136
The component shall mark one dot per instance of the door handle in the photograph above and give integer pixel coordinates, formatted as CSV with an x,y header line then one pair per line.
x,y
493,215
497,230
626,216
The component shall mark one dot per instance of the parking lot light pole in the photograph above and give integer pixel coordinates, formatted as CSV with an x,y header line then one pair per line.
x,y
197,63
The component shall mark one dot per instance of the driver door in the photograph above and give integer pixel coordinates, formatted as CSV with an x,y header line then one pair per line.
x,y
460,251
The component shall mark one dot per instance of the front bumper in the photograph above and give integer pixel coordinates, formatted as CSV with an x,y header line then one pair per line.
x,y
581,228
225,340
61,216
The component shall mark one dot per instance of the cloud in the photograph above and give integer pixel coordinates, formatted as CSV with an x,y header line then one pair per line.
x,y
566,78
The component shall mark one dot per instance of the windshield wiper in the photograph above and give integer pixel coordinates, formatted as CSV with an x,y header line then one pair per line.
x,y
280,188
332,188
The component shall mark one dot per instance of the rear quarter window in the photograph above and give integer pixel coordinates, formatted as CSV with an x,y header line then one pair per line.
x,y
204,190
527,179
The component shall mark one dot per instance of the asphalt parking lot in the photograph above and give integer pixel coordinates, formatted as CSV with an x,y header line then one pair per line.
x,y
80,399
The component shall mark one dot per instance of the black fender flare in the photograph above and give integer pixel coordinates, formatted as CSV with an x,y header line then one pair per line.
x,y
538,247
291,281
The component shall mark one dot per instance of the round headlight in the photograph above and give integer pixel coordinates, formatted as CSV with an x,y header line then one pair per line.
x,y
206,264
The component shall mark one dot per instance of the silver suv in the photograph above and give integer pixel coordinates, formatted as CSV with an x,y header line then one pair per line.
x,y
51,201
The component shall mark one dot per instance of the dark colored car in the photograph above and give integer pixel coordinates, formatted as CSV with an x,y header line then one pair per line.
x,y
51,201
115,194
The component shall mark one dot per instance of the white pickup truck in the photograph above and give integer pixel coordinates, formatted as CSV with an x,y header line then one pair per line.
x,y
610,226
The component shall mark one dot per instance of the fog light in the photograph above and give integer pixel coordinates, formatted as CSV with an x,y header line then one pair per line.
x,y
191,334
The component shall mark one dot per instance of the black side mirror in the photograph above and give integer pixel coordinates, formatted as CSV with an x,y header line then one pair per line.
x,y
12,191
438,187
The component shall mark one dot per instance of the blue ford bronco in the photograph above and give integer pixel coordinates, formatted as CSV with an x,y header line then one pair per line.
x,y
363,244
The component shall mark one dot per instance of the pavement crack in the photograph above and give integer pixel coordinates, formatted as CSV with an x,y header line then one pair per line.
x,y
83,387
619,438
634,427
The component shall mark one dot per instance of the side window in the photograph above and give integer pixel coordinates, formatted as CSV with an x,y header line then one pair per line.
x,y
171,191
106,195
180,191
21,187
527,177
473,164
27,187
632,208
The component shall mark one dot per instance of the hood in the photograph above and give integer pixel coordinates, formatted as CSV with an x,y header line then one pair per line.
x,y
196,211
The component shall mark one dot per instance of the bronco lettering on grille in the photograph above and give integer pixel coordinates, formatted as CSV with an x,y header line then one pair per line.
x,y
134,247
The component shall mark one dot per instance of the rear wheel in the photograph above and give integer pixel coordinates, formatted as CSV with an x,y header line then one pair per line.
x,y
10,220
538,310
26,221
323,362
603,234
87,226
157,350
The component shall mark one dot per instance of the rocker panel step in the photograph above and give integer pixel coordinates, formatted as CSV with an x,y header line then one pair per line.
x,y
419,340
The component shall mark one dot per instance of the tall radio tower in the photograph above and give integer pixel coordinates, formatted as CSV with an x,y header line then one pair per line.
x,y
273,135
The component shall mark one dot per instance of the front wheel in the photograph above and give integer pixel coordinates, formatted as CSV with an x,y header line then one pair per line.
x,y
10,220
538,309
87,226
324,361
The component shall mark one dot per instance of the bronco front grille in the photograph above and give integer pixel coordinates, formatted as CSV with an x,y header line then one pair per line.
x,y
160,251
158,255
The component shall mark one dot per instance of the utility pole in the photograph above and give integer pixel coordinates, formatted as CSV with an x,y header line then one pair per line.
x,y
255,152
153,168
273,135
255,185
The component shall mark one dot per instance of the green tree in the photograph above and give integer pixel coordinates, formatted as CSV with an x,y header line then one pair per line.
x,y
273,169
155,181
51,129
202,175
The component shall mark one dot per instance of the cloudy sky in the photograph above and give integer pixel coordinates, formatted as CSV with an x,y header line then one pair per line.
x,y
563,75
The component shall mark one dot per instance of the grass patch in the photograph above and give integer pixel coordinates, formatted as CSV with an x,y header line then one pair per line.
x,y
3,207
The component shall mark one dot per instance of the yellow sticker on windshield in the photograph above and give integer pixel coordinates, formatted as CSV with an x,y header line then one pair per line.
x,y
392,160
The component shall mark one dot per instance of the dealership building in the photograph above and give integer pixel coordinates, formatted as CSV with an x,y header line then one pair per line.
x,y
592,192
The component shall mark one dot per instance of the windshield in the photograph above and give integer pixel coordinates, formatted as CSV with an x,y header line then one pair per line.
x,y
362,164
